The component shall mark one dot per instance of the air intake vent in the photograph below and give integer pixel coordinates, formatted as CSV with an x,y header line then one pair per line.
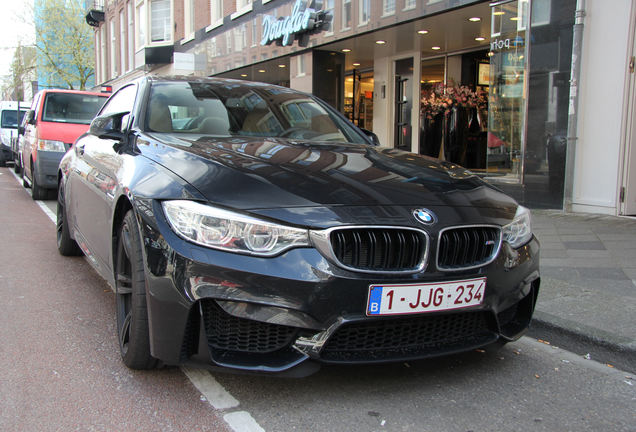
x,y
379,249
467,247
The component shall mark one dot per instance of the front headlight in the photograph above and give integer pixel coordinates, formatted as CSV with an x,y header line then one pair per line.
x,y
222,229
519,231
51,145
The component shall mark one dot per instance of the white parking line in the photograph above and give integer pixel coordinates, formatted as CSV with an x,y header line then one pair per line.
x,y
242,421
215,393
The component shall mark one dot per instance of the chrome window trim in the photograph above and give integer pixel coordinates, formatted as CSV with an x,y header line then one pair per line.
x,y
320,239
489,261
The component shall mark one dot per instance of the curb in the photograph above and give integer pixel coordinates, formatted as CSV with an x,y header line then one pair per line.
x,y
600,345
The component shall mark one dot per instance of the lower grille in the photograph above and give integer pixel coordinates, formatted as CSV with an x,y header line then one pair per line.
x,y
229,333
394,339
467,247
379,249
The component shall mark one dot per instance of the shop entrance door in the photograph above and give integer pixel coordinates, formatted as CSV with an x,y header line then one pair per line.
x,y
403,103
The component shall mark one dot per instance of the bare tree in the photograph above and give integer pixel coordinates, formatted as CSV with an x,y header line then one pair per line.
x,y
64,42
22,72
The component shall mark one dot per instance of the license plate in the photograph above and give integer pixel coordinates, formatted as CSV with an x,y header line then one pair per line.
x,y
421,298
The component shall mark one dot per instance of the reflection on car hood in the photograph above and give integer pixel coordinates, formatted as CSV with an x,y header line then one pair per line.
x,y
274,173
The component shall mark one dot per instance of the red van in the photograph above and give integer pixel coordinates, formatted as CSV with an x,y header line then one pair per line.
x,y
56,119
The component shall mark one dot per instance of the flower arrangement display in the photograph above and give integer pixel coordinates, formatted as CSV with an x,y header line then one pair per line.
x,y
441,98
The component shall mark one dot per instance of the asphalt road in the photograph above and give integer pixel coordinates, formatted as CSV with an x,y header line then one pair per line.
x,y
60,368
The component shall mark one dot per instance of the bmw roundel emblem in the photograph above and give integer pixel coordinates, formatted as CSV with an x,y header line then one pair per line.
x,y
424,216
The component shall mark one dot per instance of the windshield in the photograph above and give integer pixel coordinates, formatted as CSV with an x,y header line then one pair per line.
x,y
71,107
234,109
10,118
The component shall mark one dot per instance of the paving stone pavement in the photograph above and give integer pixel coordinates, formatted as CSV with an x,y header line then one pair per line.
x,y
588,279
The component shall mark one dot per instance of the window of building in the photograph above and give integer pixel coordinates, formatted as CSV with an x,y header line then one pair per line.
x,y
329,6
242,7
363,11
216,9
388,7
228,41
102,52
255,36
98,74
160,22
346,14
140,23
131,37
188,19
301,65
113,50
409,4
122,41
541,12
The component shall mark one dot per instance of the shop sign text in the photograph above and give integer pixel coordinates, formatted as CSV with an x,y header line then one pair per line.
x,y
284,30
499,44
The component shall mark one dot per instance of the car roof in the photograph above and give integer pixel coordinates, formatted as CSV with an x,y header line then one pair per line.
x,y
215,80
83,92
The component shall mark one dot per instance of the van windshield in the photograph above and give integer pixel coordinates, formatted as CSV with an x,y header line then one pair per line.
x,y
10,118
71,107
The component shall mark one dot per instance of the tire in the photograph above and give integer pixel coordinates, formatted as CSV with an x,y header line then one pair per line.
x,y
2,163
65,244
17,168
130,292
37,192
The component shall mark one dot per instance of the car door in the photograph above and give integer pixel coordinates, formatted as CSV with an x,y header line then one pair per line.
x,y
30,136
94,182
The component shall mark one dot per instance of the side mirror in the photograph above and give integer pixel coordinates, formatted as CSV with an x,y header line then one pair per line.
x,y
108,126
373,137
30,117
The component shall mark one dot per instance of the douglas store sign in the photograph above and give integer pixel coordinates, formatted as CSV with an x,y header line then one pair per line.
x,y
302,22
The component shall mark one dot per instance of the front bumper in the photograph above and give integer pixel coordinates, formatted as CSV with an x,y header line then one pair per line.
x,y
5,153
45,168
272,314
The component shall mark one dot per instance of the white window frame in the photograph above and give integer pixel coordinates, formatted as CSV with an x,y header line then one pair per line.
x,y
343,25
242,7
112,47
188,21
102,52
141,24
385,11
409,5
131,36
122,41
330,5
364,5
98,60
216,15
256,37
169,21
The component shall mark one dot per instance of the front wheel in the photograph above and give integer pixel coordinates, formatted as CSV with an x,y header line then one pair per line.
x,y
37,192
65,244
16,166
130,290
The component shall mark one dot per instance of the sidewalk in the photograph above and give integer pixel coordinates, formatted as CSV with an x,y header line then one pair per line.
x,y
588,282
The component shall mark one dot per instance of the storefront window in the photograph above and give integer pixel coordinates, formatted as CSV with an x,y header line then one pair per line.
x,y
359,98
507,95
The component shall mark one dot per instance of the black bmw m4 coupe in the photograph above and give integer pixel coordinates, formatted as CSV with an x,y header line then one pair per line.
x,y
252,227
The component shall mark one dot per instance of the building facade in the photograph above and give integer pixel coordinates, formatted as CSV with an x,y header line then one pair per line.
x,y
536,96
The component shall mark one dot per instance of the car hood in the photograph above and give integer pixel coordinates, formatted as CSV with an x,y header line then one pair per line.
x,y
273,176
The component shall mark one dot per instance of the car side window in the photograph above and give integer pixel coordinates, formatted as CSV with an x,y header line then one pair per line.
x,y
122,101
